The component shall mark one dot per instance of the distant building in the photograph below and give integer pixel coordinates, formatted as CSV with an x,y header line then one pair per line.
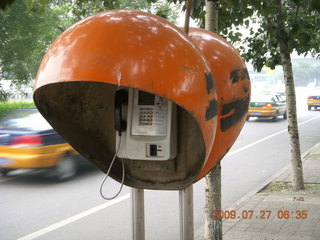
x,y
262,81
266,80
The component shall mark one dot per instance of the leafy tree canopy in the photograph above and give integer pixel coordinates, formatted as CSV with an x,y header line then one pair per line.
x,y
259,17
24,38
5,3
28,27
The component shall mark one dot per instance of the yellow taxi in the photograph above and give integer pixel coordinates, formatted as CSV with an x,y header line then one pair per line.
x,y
267,104
27,141
314,99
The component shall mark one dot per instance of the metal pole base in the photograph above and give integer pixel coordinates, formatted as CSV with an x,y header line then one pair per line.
x,y
186,213
137,197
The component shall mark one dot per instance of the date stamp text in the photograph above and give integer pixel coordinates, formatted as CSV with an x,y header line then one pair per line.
x,y
263,214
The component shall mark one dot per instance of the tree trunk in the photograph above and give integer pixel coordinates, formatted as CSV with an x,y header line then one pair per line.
x,y
211,19
213,227
294,146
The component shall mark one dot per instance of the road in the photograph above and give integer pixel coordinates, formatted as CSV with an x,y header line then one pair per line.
x,y
32,207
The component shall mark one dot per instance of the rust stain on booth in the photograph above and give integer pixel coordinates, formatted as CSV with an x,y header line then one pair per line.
x,y
210,82
239,74
233,112
212,109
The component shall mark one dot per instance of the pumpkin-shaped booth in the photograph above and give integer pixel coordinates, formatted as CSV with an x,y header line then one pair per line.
x,y
233,88
95,68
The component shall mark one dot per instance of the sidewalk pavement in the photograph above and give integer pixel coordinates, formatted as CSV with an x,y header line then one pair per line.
x,y
276,212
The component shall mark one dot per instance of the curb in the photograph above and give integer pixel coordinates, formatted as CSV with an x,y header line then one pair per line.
x,y
246,197
236,205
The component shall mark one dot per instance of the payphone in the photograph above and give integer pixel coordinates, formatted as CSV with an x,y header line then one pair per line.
x,y
146,124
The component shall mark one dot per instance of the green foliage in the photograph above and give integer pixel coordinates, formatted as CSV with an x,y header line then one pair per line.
x,y
8,106
4,96
260,44
197,9
24,39
301,32
29,27
4,4
84,8
165,10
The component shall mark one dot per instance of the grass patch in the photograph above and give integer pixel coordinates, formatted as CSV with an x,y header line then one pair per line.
x,y
282,187
8,106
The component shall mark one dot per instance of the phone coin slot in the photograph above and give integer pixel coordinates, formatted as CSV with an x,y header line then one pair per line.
x,y
153,148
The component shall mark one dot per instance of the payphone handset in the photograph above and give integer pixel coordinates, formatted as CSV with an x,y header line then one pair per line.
x,y
151,128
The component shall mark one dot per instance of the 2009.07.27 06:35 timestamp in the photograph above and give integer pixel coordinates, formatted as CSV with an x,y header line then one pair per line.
x,y
263,214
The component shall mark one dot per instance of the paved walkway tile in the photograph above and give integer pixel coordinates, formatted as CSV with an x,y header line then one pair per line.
x,y
276,216
279,214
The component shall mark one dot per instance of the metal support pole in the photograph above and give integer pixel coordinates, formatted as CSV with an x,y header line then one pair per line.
x,y
186,213
137,198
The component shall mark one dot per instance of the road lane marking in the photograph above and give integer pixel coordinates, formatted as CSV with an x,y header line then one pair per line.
x,y
266,138
256,189
79,216
74,218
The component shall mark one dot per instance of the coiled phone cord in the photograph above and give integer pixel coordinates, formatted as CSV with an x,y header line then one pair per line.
x,y
109,169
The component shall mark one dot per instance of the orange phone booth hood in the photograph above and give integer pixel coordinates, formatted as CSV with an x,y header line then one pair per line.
x,y
81,71
233,89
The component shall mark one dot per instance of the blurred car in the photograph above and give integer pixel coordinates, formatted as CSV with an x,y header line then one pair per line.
x,y
267,105
314,99
279,89
282,94
27,141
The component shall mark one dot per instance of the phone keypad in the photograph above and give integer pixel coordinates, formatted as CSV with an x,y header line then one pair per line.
x,y
145,116
149,120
